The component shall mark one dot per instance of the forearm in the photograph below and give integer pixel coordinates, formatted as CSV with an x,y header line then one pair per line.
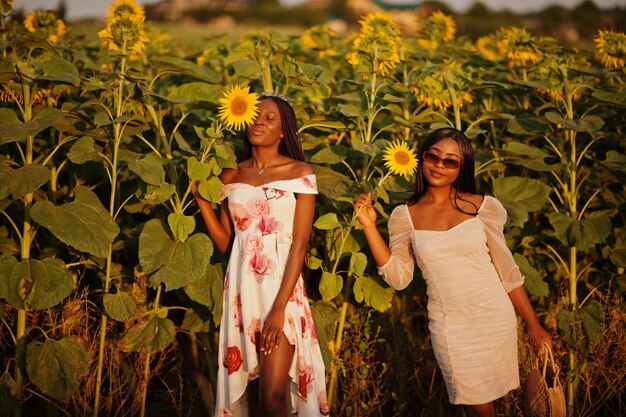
x,y
522,304
219,235
293,269
377,245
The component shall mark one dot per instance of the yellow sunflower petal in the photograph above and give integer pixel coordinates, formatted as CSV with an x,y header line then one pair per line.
x,y
400,159
239,107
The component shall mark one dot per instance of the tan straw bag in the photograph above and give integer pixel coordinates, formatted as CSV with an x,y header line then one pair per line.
x,y
543,393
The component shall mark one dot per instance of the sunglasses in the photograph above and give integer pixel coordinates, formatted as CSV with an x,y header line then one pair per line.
x,y
434,159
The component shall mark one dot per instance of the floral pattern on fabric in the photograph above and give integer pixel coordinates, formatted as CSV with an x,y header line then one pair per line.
x,y
263,219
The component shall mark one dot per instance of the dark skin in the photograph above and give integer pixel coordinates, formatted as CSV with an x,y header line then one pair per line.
x,y
435,210
265,135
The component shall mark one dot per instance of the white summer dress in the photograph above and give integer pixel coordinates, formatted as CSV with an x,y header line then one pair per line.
x,y
263,224
468,270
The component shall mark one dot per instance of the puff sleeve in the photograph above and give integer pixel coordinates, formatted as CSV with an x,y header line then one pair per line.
x,y
398,271
493,215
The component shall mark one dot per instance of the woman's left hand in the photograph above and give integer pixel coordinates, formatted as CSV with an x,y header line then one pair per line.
x,y
272,329
539,336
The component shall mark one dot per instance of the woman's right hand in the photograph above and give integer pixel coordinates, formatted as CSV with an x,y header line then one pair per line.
x,y
366,214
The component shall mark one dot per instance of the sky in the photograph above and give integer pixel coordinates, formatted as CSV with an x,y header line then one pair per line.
x,y
80,9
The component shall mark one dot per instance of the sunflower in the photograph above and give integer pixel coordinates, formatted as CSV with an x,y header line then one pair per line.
x,y
489,48
238,107
400,159
432,87
320,38
611,48
558,81
125,34
376,52
125,7
45,23
377,22
519,46
436,29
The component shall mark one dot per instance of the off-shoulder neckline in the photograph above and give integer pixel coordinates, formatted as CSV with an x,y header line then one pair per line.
x,y
267,183
480,207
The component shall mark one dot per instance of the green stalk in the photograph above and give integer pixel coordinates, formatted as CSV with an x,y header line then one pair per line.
x,y
117,138
339,339
20,351
146,368
266,75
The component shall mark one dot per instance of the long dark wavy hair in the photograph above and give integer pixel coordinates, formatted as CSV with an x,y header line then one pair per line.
x,y
290,144
466,180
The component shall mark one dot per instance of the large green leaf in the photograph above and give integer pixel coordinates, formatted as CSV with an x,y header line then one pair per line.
x,y
198,170
532,279
327,221
58,69
584,124
519,196
35,284
172,262
358,262
527,125
196,91
211,189
247,69
149,168
12,129
27,179
582,328
327,156
202,290
150,333
325,317
330,285
158,194
181,226
119,306
196,321
375,295
84,224
83,150
57,366
332,184
583,234
615,160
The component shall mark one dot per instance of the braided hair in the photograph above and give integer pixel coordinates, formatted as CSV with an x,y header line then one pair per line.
x,y
290,144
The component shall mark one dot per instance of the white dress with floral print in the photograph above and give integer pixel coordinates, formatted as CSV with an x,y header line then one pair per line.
x,y
263,223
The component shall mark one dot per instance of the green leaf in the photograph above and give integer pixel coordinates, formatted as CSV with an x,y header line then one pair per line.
x,y
211,189
197,289
84,224
582,328
35,284
12,129
618,257
526,126
159,194
82,150
57,367
327,156
27,179
247,69
196,92
332,184
58,69
615,160
618,97
150,335
358,262
327,221
198,170
181,226
330,285
519,196
583,234
584,124
375,295
313,263
525,150
532,279
119,306
325,316
195,321
149,168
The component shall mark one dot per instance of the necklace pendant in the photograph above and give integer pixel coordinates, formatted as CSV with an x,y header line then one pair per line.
x,y
260,171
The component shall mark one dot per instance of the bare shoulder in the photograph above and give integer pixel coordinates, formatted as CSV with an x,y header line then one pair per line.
x,y
470,201
228,175
297,169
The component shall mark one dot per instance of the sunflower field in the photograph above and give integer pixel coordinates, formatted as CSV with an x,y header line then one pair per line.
x,y
111,292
